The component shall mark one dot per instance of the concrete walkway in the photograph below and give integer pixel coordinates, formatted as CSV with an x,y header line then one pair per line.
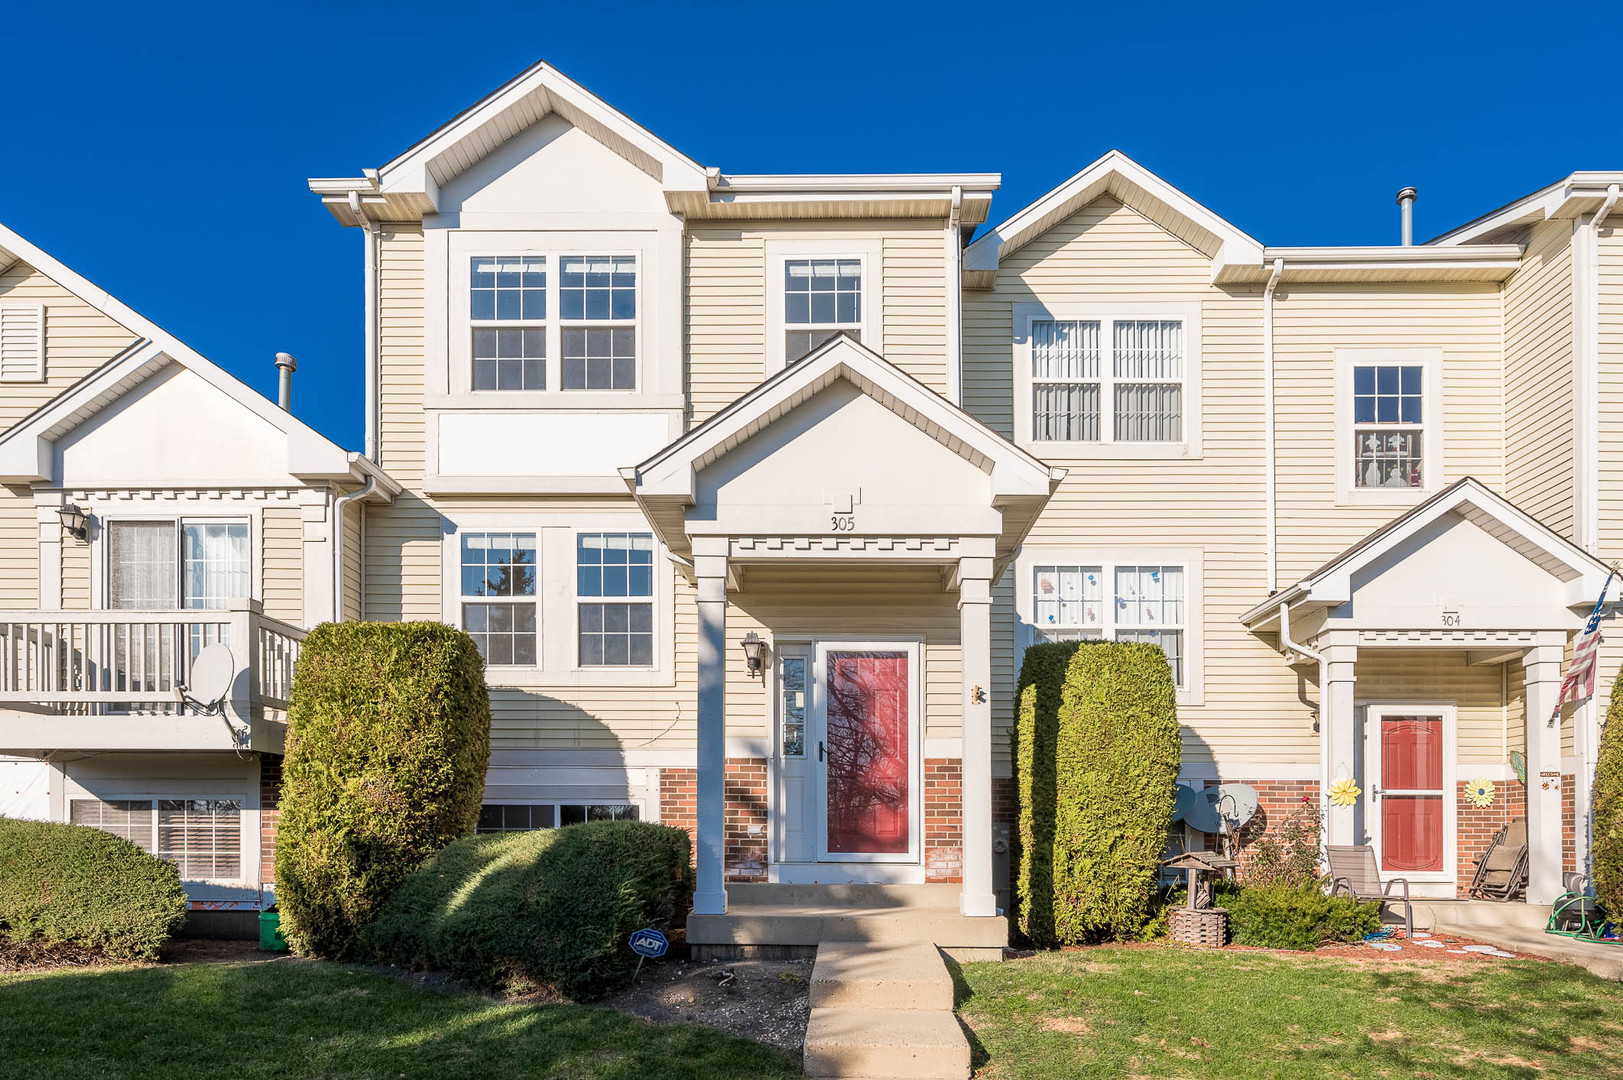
x,y
883,1010
1520,928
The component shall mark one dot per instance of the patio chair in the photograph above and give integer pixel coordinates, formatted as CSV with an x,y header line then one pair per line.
x,y
1354,871
1501,871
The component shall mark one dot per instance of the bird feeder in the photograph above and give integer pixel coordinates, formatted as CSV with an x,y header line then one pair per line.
x,y
1198,922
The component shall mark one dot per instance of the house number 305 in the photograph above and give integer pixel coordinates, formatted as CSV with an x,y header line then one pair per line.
x,y
842,522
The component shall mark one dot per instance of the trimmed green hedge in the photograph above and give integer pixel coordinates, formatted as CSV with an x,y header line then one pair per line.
x,y
549,908
388,739
1284,916
1607,842
71,884
1095,769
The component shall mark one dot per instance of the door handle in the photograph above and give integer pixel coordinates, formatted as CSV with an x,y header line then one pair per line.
x,y
819,750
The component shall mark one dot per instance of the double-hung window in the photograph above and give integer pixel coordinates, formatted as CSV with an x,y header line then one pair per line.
x,y
597,308
507,303
614,594
1389,425
1107,380
1105,601
821,298
202,837
499,595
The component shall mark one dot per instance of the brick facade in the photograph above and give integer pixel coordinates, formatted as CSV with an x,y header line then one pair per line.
x,y
679,801
270,814
746,815
943,820
1569,822
1475,826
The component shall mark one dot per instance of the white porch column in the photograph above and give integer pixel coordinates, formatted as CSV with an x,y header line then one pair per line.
x,y
1542,664
1338,719
710,572
979,896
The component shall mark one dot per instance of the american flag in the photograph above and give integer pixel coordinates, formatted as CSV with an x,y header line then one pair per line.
x,y
1579,685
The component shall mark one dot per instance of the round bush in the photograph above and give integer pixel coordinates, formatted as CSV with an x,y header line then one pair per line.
x,y
549,908
71,884
388,740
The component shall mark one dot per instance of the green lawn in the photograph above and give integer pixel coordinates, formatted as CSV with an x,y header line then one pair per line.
x,y
291,1020
1168,1012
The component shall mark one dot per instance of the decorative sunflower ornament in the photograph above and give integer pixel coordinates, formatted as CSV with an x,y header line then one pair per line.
x,y
1344,792
1480,792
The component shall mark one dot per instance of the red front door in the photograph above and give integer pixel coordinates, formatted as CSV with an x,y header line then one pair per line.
x,y
867,756
1411,794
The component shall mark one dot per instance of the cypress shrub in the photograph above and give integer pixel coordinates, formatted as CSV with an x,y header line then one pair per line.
x,y
1115,755
74,885
1607,794
551,908
1032,741
388,739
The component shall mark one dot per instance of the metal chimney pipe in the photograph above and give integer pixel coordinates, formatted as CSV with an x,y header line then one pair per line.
x,y
1406,199
286,365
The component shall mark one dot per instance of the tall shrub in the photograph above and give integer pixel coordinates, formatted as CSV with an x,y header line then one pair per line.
x,y
388,739
1115,759
1606,848
74,885
1031,746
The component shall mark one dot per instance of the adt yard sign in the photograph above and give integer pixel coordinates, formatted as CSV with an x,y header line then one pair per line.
x,y
649,943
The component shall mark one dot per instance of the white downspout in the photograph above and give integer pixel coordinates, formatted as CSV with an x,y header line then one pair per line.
x,y
338,506
369,236
955,299
1270,479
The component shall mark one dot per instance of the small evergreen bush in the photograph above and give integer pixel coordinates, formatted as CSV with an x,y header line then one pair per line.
x,y
388,739
1606,844
74,885
1095,788
550,908
1293,917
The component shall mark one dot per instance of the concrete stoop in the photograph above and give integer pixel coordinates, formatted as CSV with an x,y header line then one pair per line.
x,y
883,1011
1520,928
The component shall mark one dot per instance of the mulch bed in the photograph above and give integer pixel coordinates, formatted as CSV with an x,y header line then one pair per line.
x,y
39,956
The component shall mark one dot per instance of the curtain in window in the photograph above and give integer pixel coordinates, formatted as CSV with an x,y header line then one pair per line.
x,y
217,569
1149,353
141,565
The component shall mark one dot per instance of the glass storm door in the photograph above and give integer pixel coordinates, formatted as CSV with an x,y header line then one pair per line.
x,y
866,753
1410,802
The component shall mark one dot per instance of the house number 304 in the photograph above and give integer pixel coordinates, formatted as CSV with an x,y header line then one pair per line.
x,y
842,522
1452,619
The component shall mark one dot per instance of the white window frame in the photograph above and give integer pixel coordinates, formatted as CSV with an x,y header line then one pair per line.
x,y
651,600
557,625
545,323
14,319
1430,361
1192,560
869,252
462,324
101,567
534,600
1107,446
244,809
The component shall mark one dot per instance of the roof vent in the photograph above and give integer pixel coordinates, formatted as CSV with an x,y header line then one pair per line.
x,y
286,365
1406,199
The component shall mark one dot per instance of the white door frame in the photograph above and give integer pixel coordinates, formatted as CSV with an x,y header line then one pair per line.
x,y
817,722
1373,713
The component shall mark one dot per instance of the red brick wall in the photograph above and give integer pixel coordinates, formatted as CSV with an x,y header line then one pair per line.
x,y
679,801
1569,823
1475,826
943,820
745,857
1277,800
270,814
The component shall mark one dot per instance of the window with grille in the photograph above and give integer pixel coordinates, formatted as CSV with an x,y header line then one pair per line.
x,y
597,307
821,298
507,304
524,817
1113,602
499,596
614,590
1108,380
1388,428
202,837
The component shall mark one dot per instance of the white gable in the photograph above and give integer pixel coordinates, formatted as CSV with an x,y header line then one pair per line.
x,y
553,166
174,429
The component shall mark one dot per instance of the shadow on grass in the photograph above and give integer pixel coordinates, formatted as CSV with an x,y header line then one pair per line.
x,y
293,1019
961,993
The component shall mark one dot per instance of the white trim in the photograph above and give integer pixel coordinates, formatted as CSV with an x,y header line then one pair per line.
x,y
101,548
1430,361
557,641
1371,713
1193,691
867,250
1189,447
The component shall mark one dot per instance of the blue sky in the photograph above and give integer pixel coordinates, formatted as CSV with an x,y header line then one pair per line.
x,y
162,150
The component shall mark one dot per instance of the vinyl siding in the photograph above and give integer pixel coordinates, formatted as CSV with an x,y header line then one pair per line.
x,y
1610,448
78,339
355,520
282,543
1481,696
19,549
1539,379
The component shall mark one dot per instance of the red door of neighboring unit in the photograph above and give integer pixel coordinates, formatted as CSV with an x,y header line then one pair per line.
x,y
1412,793
867,765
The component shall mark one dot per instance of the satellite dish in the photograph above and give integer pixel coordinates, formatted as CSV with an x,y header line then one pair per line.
x,y
1225,808
1202,813
213,670
1186,801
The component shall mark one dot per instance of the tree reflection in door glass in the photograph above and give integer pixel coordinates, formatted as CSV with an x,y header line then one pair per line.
x,y
867,752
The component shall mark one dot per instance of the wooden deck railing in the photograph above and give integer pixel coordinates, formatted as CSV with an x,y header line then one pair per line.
x,y
98,662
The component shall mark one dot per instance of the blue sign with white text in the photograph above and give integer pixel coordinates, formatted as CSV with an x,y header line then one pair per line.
x,y
649,943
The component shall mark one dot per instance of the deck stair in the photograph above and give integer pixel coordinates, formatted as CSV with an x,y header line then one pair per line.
x,y
883,1010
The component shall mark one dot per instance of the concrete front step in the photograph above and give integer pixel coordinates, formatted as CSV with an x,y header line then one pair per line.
x,y
858,975
746,894
1465,914
764,924
907,1044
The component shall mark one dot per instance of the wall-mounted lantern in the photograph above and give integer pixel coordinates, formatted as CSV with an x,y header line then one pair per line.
x,y
75,522
754,653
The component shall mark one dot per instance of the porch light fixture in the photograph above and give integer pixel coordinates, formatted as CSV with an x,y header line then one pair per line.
x,y
754,653
75,522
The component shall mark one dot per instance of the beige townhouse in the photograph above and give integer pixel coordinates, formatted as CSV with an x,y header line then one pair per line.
x,y
753,490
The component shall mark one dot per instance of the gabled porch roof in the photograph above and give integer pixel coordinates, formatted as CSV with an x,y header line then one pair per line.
x,y
667,484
